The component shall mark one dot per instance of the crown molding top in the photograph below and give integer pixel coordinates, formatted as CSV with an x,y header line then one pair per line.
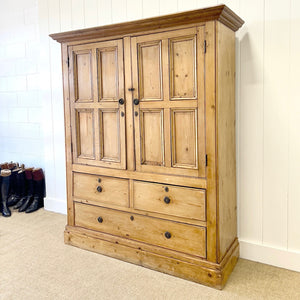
x,y
220,13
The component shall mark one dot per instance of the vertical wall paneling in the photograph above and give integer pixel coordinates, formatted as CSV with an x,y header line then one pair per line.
x,y
187,5
294,129
168,7
45,95
150,8
65,15
119,8
104,12
134,10
206,3
58,162
250,121
90,13
276,85
77,14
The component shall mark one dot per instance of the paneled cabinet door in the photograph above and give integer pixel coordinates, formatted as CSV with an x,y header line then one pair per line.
x,y
97,104
168,77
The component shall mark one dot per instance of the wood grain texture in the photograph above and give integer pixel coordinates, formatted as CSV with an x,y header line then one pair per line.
x,y
221,13
113,191
225,100
193,269
183,238
177,201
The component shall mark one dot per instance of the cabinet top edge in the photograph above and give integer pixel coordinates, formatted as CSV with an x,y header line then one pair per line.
x,y
220,13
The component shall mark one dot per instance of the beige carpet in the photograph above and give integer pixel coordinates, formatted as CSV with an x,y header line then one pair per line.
x,y
36,264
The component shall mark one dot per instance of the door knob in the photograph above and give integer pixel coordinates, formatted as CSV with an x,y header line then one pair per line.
x,y
168,235
136,101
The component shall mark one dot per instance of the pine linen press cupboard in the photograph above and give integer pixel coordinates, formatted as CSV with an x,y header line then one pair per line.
x,y
150,142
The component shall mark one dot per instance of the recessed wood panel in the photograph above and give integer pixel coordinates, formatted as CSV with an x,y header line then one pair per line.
x,y
109,134
152,137
184,138
83,77
150,71
183,68
85,133
108,74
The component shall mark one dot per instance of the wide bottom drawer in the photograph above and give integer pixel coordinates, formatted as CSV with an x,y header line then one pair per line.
x,y
172,235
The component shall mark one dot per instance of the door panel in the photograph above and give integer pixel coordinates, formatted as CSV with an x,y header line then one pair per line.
x,y
150,75
152,137
85,133
97,117
109,134
169,134
83,76
108,73
183,68
184,138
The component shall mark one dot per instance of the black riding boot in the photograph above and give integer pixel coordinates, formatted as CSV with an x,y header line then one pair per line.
x,y
22,189
39,190
5,176
13,197
29,196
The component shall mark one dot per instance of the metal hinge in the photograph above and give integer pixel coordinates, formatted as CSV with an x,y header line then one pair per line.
x,y
204,46
206,160
68,61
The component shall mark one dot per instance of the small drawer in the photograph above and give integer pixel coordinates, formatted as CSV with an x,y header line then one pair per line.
x,y
172,235
170,200
101,190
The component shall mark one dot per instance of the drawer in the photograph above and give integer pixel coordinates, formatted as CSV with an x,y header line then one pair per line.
x,y
172,235
100,190
170,200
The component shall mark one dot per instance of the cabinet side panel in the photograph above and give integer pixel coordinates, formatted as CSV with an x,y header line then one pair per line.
x,y
226,178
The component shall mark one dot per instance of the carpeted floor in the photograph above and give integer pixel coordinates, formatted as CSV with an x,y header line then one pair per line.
x,y
36,264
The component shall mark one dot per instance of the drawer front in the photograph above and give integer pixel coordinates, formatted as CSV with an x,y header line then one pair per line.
x,y
100,190
170,200
176,236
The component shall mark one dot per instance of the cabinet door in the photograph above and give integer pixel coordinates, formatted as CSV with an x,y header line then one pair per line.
x,y
168,77
97,104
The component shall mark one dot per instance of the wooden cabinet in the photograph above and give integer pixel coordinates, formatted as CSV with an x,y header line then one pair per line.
x,y
150,142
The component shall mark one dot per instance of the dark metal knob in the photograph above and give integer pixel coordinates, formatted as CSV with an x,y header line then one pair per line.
x,y
121,101
131,218
99,189
167,200
136,101
166,189
168,235
100,219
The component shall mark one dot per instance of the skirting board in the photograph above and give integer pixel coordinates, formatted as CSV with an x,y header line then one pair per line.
x,y
56,205
270,255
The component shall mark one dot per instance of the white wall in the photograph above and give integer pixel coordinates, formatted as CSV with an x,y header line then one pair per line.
x,y
21,110
268,108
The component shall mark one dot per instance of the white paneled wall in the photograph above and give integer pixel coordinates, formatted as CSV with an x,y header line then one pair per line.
x,y
268,105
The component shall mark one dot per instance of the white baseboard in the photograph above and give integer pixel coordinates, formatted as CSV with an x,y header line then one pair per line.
x,y
269,255
56,205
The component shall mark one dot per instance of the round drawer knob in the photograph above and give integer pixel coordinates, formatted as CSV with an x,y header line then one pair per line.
x,y
100,219
121,101
99,189
136,101
168,235
167,200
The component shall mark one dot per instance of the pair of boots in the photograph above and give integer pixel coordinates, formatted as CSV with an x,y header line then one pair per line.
x,y
22,188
